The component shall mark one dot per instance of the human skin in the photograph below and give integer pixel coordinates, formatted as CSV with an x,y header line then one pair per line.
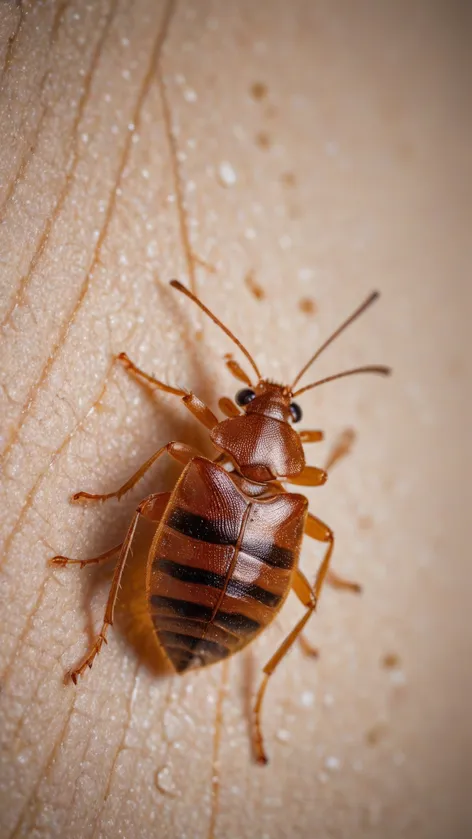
x,y
345,130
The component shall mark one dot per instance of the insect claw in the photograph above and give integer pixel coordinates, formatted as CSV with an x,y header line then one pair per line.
x,y
82,496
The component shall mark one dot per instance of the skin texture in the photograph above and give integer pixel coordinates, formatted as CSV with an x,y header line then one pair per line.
x,y
308,152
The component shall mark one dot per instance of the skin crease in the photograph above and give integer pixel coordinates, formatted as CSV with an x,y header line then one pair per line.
x,y
321,149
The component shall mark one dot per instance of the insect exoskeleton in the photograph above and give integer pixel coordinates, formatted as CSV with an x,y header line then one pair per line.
x,y
228,536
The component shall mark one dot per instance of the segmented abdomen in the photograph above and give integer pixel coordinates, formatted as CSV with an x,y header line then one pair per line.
x,y
221,565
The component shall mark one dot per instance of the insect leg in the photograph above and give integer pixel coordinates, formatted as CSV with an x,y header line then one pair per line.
x,y
145,508
315,528
194,405
228,408
335,581
179,451
153,511
155,506
322,533
311,436
341,448
62,561
306,594
236,370
310,477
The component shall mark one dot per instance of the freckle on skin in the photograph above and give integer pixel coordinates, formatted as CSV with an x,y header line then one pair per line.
x,y
307,306
288,179
375,734
259,91
256,290
390,660
263,140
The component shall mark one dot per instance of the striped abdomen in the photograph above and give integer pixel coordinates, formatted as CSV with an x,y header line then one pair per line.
x,y
220,565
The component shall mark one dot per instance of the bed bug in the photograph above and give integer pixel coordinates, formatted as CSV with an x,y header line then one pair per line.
x,y
228,536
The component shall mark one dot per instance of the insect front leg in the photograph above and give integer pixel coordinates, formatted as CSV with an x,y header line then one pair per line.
x,y
179,451
152,508
306,594
191,402
228,408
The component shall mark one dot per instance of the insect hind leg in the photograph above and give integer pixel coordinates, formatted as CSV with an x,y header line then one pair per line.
x,y
151,508
306,594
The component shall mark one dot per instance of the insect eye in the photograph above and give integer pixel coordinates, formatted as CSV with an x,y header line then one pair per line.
x,y
244,396
296,412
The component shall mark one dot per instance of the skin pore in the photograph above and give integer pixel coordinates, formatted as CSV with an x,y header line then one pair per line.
x,y
321,152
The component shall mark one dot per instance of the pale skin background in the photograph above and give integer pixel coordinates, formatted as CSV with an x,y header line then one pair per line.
x,y
349,170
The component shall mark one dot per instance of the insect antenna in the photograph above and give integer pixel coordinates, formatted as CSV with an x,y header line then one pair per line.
x,y
371,368
176,284
371,299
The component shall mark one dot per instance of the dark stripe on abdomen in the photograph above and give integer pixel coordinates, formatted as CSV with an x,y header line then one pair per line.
x,y
222,532
239,590
198,646
188,574
268,552
183,608
234,588
239,624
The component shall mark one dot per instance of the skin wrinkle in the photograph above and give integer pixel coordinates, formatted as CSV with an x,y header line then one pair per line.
x,y
136,121
9,54
32,142
166,705
4,678
7,672
129,712
126,726
103,232
190,257
20,294
16,732
37,485
215,774
49,762
46,769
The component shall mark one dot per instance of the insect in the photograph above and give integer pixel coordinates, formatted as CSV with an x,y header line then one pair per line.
x,y
227,541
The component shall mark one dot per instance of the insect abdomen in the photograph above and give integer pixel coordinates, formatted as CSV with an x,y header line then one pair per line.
x,y
217,575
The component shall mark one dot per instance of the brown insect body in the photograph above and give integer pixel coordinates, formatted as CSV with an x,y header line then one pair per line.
x,y
228,537
221,563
